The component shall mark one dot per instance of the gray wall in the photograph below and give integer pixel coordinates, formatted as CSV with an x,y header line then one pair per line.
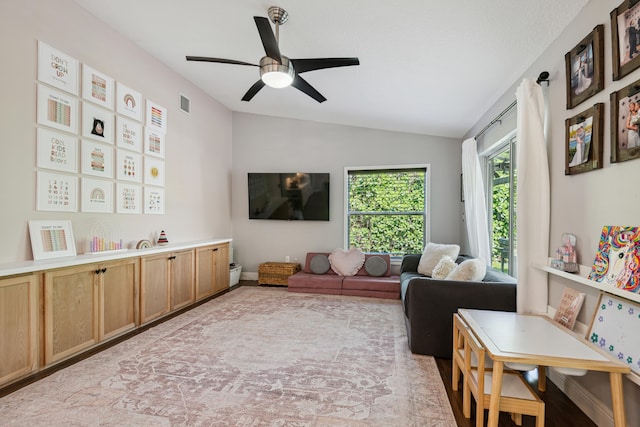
x,y
267,144
198,154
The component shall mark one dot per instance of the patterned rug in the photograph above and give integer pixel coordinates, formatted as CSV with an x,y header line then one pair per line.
x,y
252,357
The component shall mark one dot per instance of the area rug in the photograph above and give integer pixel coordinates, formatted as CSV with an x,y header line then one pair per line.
x,y
253,357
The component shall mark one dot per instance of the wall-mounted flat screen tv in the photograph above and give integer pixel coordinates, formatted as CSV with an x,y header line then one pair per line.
x,y
293,196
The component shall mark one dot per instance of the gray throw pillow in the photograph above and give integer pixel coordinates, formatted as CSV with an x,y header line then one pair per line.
x,y
376,266
319,264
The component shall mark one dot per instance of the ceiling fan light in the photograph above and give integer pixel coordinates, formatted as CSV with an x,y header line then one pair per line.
x,y
274,74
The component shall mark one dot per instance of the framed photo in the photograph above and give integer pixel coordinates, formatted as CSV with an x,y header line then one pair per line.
x,y
153,142
583,137
625,123
96,196
51,239
156,117
97,159
153,200
56,192
97,87
129,166
97,123
625,38
128,198
57,69
128,134
57,109
585,68
57,151
128,102
154,172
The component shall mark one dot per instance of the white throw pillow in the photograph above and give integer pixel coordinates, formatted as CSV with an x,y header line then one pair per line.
x,y
444,267
433,253
471,270
346,263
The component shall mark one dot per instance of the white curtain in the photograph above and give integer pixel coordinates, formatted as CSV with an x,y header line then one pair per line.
x,y
475,209
533,202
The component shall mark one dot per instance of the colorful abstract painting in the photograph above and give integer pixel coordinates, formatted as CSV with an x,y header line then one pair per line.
x,y
617,261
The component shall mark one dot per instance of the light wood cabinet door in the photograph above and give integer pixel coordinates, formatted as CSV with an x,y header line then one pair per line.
x,y
182,279
18,327
70,311
119,297
154,287
205,272
222,268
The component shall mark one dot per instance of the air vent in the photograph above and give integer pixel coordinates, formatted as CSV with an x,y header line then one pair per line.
x,y
185,104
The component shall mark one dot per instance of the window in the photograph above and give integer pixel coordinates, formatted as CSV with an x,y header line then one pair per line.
x,y
386,208
501,204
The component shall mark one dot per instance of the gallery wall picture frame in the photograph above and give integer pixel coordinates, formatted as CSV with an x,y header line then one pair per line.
x,y
154,142
128,134
154,200
154,172
584,66
96,195
56,151
129,166
56,192
583,140
96,159
97,123
128,198
51,239
57,109
156,117
625,38
97,87
57,69
625,123
128,102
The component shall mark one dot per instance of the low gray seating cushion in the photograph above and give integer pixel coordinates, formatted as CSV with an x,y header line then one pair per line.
x,y
376,266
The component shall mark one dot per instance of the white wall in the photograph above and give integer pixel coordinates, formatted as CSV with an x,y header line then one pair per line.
x,y
267,144
582,204
198,147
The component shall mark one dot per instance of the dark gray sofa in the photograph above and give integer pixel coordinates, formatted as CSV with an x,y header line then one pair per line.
x,y
429,304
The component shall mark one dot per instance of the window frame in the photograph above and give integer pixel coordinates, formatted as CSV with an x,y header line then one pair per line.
x,y
427,195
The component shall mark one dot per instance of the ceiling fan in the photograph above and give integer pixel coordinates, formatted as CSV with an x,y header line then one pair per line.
x,y
276,70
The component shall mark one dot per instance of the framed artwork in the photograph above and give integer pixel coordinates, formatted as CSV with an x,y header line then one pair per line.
x,y
154,172
57,109
156,117
128,134
585,68
625,41
96,159
51,239
96,196
97,87
583,141
625,123
617,261
128,102
128,198
56,192
57,151
57,69
153,200
97,123
153,142
129,166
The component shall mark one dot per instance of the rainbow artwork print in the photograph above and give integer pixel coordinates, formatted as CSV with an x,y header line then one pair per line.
x,y
617,261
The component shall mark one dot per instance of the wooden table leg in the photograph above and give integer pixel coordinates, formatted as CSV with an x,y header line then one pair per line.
x,y
496,391
617,399
542,378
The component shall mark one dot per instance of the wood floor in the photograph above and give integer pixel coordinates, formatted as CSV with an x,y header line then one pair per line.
x,y
560,411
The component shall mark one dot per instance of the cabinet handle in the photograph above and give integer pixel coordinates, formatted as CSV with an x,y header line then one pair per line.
x,y
215,250
98,271
172,257
104,270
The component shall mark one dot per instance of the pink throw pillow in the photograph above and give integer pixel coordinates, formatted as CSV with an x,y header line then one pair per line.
x,y
346,263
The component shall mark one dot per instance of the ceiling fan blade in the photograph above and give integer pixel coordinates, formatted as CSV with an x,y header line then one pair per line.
x,y
268,39
220,60
304,65
253,90
303,86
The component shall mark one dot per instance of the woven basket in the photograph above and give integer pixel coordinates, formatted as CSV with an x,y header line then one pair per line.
x,y
276,273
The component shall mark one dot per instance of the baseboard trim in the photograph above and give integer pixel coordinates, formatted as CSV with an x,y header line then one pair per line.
x,y
248,276
599,413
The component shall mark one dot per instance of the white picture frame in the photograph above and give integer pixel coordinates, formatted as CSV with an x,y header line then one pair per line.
x,y
129,166
51,239
97,123
128,198
154,201
57,109
96,196
156,117
154,142
56,192
57,69
128,102
128,134
154,172
56,151
97,87
96,159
